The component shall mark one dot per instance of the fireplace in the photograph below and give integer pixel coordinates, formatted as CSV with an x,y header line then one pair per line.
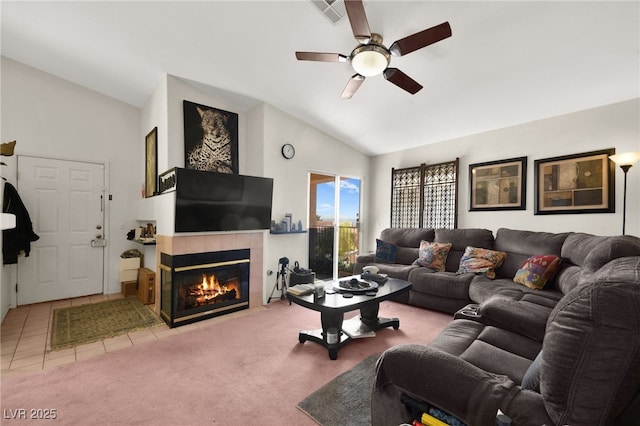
x,y
203,285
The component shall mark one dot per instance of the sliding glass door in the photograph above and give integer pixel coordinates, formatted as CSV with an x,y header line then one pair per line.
x,y
334,224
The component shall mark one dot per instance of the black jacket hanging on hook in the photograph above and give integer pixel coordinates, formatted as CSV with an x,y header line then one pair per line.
x,y
18,239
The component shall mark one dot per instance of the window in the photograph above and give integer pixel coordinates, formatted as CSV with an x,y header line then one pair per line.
x,y
425,196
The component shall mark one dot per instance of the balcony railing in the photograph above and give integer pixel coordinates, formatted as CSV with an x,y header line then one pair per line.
x,y
321,249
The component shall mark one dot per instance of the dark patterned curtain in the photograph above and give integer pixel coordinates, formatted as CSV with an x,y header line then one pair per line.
x,y
425,196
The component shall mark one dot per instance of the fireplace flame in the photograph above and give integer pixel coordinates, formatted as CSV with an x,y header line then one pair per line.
x,y
209,283
211,290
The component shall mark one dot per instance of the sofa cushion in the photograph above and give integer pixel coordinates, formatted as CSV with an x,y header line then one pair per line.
x,y
537,270
442,284
577,246
433,255
489,348
567,278
406,255
589,253
407,237
460,239
523,317
482,289
612,248
479,260
385,252
520,245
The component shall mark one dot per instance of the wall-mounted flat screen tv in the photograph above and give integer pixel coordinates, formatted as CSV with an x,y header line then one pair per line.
x,y
208,201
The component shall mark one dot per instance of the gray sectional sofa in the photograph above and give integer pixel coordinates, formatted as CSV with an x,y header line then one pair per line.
x,y
566,354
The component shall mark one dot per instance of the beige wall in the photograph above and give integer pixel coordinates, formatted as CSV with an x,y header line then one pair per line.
x,y
51,117
612,126
315,152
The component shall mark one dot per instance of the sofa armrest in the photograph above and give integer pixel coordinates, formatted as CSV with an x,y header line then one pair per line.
x,y
450,384
365,258
527,319
362,260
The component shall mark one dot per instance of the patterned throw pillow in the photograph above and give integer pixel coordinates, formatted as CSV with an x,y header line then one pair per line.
x,y
385,252
433,255
537,270
481,261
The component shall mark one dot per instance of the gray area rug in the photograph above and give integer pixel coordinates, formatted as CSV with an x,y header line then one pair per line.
x,y
346,400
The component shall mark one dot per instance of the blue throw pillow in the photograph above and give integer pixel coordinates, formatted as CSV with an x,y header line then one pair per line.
x,y
531,379
385,252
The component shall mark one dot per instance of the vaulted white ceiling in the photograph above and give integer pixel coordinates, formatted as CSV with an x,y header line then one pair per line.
x,y
508,62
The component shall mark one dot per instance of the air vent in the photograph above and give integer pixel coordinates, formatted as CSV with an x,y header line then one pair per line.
x,y
333,10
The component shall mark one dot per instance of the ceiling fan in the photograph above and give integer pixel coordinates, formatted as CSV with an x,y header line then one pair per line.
x,y
371,57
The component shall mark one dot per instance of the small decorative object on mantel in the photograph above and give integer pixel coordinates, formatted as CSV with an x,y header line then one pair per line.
x,y
167,181
286,226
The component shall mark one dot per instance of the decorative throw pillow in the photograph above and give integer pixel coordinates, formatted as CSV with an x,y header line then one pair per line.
x,y
537,270
385,252
481,261
433,255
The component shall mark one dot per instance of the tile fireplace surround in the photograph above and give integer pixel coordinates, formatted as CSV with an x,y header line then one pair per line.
x,y
178,244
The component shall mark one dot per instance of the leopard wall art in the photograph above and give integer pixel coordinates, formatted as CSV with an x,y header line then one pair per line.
x,y
214,151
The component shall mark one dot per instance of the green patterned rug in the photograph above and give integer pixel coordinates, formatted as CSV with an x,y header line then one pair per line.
x,y
77,325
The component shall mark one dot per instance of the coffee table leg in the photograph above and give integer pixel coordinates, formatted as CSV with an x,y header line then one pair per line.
x,y
328,320
369,316
332,320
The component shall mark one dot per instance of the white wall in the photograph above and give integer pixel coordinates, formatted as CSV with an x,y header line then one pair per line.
x,y
612,126
51,117
315,151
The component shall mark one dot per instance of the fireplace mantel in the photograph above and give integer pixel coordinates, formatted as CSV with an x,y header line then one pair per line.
x,y
191,244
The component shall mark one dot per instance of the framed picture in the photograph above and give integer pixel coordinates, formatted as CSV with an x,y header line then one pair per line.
x,y
210,139
580,183
498,185
151,163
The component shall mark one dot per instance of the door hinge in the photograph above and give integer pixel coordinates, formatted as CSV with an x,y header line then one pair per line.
x,y
16,287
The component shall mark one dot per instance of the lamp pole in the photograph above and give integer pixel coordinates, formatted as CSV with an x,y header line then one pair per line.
x,y
625,168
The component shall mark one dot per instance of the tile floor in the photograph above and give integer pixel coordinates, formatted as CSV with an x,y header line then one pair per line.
x,y
25,337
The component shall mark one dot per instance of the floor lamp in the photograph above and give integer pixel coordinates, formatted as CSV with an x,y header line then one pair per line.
x,y
625,161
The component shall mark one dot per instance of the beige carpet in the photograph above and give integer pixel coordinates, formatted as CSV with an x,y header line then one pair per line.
x,y
77,325
243,368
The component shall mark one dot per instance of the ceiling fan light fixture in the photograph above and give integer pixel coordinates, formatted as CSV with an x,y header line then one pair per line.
x,y
369,60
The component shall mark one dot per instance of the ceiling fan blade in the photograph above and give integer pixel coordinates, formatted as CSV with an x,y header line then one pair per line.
x,y
419,40
358,20
402,80
320,57
352,86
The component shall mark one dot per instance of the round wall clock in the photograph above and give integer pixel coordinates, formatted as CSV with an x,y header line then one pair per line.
x,y
288,151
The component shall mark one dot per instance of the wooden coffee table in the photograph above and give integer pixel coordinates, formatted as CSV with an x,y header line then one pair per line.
x,y
333,306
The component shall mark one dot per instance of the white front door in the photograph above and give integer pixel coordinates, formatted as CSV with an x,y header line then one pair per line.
x,y
65,200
